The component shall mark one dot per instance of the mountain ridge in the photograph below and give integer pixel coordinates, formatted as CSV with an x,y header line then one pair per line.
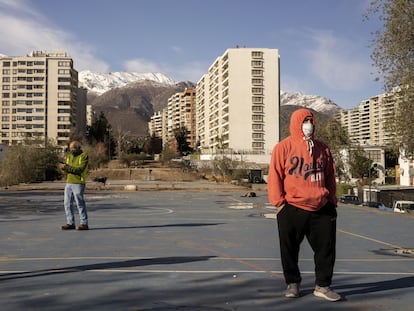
x,y
129,99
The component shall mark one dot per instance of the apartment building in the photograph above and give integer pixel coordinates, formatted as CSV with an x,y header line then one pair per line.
x,y
40,98
238,104
179,113
155,125
367,127
366,124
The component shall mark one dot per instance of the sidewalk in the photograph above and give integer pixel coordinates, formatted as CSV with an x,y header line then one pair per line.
x,y
137,185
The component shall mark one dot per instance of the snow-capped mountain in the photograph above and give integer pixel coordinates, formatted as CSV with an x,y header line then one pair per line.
x,y
315,102
100,83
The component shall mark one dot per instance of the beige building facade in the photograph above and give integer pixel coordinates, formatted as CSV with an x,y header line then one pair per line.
x,y
179,113
366,124
40,98
367,127
238,103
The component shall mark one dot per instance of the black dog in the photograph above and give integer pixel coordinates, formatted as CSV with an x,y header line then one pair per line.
x,y
100,180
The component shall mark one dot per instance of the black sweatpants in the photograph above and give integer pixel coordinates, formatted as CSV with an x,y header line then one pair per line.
x,y
320,230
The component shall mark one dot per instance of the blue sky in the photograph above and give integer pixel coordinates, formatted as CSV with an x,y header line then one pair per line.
x,y
324,45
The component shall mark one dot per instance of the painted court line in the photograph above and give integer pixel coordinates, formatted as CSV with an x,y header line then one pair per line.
x,y
4,273
14,259
369,239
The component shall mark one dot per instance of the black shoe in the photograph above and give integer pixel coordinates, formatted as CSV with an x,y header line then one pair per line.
x,y
68,227
82,227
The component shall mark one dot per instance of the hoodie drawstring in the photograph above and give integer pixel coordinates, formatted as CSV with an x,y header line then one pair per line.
x,y
310,144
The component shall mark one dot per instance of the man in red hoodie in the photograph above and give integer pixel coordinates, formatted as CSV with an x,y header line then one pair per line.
x,y
301,184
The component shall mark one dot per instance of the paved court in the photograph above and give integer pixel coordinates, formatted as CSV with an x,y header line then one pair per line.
x,y
189,251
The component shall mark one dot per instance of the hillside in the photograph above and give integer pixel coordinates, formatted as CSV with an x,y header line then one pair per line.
x,y
130,108
128,100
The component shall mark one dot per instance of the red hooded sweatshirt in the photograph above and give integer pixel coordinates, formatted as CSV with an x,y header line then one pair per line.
x,y
299,173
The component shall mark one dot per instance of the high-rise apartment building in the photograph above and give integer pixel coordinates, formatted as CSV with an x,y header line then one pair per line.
x,y
155,126
366,124
238,103
367,127
179,113
40,98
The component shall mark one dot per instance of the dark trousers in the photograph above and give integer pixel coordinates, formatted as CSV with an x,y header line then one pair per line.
x,y
320,230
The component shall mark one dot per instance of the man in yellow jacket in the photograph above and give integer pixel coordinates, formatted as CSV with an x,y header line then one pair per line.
x,y
76,170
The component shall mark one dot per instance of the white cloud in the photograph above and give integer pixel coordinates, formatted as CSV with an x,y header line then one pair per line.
x,y
142,66
291,83
21,6
335,62
191,71
23,30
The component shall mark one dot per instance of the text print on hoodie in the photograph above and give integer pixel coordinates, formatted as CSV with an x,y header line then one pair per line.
x,y
301,171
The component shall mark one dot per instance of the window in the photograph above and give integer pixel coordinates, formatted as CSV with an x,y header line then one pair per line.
x,y
257,64
257,73
257,90
257,54
63,95
257,100
64,64
258,145
257,108
256,117
257,81
63,71
257,127
258,136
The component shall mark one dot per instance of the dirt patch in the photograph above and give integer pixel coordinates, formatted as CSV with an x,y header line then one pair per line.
x,y
157,173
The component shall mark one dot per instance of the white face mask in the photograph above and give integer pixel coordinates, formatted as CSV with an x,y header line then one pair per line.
x,y
307,129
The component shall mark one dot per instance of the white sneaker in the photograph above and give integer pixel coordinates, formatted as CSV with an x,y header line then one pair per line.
x,y
327,293
292,290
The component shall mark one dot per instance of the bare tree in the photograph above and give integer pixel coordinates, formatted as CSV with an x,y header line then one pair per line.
x,y
393,56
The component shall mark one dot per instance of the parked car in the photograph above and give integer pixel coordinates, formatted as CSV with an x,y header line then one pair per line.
x,y
372,204
378,205
385,208
403,206
349,199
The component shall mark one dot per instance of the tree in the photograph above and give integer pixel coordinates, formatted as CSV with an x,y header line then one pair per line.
x,y
331,132
101,132
180,134
29,162
360,165
393,55
153,145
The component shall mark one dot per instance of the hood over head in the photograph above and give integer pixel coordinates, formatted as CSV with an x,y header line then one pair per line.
x,y
296,121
